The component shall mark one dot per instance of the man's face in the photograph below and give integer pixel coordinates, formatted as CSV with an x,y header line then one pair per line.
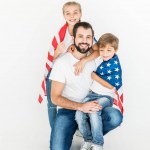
x,y
83,40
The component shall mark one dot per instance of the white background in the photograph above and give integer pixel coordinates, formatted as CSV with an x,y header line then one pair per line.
x,y
26,29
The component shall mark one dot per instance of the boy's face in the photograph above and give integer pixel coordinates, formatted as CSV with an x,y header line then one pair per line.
x,y
107,52
72,14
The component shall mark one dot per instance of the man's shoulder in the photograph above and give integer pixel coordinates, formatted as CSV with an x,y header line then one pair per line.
x,y
63,58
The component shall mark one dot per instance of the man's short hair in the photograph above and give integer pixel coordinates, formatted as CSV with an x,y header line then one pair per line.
x,y
85,25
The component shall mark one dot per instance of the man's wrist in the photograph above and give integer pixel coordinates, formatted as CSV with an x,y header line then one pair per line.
x,y
79,107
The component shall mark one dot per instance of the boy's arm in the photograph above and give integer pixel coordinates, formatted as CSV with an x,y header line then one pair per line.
x,y
80,65
101,81
94,53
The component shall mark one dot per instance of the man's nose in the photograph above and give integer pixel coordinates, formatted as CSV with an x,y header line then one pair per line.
x,y
84,40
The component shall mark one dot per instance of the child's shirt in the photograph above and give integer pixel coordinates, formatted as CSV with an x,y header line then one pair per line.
x,y
67,40
109,71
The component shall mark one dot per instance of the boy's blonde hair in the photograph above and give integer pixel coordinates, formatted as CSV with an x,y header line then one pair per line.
x,y
108,38
72,3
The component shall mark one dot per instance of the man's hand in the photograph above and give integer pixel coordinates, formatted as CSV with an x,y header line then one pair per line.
x,y
90,107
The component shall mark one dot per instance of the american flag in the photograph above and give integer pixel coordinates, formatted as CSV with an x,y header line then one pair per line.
x,y
111,72
59,37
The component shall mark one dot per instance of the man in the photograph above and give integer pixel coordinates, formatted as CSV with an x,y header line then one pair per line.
x,y
68,90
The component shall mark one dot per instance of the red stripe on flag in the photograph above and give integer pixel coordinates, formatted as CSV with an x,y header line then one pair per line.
x,y
43,86
115,101
62,32
40,99
50,57
120,106
48,67
54,42
121,98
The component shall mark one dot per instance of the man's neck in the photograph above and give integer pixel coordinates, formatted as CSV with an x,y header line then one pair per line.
x,y
78,55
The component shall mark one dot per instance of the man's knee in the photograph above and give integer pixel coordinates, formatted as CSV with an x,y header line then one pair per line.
x,y
116,118
113,116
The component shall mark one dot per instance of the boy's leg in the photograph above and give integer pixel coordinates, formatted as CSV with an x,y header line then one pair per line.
x,y
105,101
111,118
63,130
83,119
96,120
83,125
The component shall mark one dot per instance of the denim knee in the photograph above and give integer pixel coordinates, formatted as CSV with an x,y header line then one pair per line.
x,y
116,118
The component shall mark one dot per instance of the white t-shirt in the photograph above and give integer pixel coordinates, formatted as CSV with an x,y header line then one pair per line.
x,y
97,87
76,87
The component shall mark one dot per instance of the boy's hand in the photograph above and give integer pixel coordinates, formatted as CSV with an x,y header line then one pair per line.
x,y
79,67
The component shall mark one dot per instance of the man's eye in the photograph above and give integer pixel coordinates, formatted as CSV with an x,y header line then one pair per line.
x,y
88,37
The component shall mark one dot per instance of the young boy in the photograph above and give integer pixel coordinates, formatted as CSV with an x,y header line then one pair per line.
x,y
107,79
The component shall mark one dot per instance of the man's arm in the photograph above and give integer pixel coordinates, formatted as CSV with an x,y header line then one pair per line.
x,y
101,81
58,99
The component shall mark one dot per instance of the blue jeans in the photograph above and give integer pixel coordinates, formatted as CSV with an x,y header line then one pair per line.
x,y
63,130
91,125
65,126
52,109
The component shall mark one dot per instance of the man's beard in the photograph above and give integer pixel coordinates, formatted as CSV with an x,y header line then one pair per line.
x,y
82,50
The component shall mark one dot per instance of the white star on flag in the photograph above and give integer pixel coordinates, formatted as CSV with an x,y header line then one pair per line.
x,y
117,84
117,69
116,62
109,71
117,76
108,65
101,67
109,77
